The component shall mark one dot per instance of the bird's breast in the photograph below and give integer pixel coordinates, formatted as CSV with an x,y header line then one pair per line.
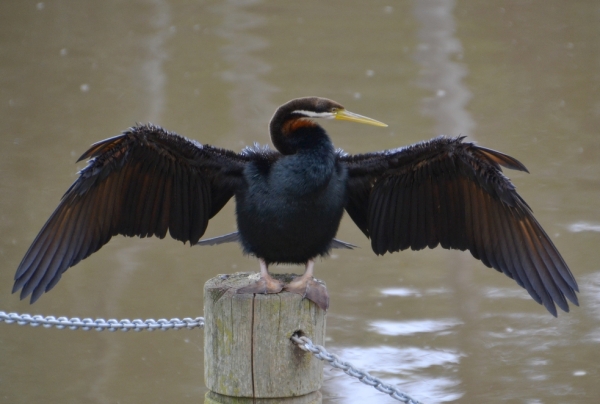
x,y
292,212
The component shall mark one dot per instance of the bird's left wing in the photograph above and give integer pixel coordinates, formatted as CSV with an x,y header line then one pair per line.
x,y
452,193
144,182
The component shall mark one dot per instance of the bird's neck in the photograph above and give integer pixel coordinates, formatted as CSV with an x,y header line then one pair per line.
x,y
300,136
309,166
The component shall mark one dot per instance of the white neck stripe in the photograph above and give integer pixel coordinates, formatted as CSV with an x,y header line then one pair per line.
x,y
312,114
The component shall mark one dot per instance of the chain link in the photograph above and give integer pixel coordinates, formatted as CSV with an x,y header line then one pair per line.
x,y
125,325
101,324
306,344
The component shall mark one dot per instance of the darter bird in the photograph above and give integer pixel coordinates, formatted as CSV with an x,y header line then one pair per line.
x,y
290,201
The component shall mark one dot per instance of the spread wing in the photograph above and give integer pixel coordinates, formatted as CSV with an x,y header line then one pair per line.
x,y
144,183
452,193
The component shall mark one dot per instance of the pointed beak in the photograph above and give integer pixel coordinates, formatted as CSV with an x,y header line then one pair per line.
x,y
344,115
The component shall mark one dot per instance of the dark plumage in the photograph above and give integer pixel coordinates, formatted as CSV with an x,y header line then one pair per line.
x,y
289,203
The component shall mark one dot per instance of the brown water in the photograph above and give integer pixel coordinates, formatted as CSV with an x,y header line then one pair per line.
x,y
522,77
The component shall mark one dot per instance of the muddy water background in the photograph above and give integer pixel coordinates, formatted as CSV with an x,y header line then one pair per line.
x,y
522,77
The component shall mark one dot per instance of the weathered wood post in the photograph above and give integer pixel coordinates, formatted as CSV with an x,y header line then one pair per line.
x,y
248,354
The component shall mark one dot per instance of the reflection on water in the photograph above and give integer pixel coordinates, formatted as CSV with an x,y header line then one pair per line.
x,y
406,292
413,327
505,293
250,94
440,73
591,288
153,75
581,226
401,292
387,362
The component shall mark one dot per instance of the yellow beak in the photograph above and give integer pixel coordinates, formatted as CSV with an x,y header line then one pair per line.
x,y
344,115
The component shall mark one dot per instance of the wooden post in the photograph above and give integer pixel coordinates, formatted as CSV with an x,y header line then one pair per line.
x,y
248,354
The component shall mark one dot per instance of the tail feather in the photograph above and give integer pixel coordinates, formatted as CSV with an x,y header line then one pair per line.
x,y
226,238
235,237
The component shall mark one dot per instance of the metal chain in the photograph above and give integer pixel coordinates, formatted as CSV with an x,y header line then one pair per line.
x,y
101,324
306,344
124,325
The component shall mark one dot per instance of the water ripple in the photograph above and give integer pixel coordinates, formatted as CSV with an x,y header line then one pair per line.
x,y
402,369
583,226
411,327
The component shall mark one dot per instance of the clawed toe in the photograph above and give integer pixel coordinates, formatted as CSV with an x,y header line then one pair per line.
x,y
263,286
305,285
311,290
266,283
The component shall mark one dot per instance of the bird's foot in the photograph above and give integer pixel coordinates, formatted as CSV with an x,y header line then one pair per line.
x,y
264,285
310,289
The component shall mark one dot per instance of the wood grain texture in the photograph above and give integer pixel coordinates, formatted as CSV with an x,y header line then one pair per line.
x,y
247,347
312,398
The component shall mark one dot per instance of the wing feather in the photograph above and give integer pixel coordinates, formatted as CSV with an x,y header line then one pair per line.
x,y
394,230
414,217
494,217
376,218
147,201
144,182
404,231
453,193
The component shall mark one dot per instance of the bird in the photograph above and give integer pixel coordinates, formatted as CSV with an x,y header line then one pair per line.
x,y
289,202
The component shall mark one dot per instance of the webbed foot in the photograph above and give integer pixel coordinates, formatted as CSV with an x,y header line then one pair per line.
x,y
310,289
263,285
266,283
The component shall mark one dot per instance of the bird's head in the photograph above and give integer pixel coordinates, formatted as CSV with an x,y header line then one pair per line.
x,y
294,119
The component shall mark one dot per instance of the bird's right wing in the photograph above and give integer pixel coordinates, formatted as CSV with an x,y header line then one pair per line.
x,y
143,183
